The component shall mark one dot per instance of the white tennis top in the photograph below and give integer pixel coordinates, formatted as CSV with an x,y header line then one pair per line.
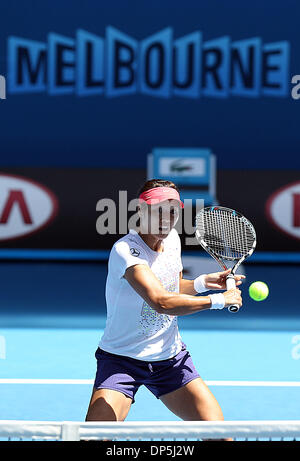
x,y
133,328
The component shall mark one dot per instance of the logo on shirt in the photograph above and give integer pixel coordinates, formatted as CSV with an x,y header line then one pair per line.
x,y
134,252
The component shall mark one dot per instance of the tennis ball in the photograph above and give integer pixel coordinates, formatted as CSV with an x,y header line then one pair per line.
x,y
258,291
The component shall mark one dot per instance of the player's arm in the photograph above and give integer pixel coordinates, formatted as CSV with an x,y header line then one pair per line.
x,y
147,285
186,286
214,281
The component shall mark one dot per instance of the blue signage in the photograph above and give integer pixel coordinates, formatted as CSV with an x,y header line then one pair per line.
x,y
100,84
160,65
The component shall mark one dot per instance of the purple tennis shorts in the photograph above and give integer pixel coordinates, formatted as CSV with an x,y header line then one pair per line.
x,y
126,375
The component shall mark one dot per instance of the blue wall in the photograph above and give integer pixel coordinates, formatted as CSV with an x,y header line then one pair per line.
x,y
46,129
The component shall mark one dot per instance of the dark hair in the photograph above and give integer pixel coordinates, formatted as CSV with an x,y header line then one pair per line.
x,y
152,183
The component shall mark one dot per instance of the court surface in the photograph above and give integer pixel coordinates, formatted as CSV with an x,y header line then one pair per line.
x,y
48,336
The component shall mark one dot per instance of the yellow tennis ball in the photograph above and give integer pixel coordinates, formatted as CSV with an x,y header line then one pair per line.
x,y
258,291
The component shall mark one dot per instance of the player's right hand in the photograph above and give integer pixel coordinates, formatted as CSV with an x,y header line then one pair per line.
x,y
233,296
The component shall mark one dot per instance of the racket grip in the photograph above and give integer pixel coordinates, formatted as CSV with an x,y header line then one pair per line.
x,y
230,283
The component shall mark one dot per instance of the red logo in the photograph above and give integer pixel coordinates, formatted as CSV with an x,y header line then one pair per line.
x,y
283,209
25,207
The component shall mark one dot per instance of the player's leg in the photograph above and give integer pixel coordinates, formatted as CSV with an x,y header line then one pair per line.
x,y
179,386
114,389
108,405
193,402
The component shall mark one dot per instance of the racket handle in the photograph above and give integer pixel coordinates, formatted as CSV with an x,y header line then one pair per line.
x,y
230,283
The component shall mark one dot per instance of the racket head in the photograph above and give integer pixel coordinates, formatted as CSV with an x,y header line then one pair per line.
x,y
225,234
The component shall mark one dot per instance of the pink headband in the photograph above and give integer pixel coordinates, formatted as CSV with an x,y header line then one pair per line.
x,y
160,194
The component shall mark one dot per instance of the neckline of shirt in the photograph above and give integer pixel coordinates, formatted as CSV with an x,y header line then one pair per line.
x,y
134,232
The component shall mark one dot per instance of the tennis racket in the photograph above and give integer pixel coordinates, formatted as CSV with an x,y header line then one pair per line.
x,y
227,236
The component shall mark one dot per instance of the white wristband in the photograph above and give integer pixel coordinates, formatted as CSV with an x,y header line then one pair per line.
x,y
199,284
217,301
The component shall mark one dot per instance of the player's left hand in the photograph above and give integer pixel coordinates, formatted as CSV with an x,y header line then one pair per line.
x,y
217,280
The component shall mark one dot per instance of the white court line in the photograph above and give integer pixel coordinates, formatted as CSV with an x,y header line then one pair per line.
x,y
209,383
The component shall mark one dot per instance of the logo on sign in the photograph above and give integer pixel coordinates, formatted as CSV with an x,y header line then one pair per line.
x,y
188,166
283,209
25,207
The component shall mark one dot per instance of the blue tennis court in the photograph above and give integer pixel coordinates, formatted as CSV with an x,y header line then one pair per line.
x,y
53,314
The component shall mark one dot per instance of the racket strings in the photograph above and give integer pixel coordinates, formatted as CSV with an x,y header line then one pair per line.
x,y
228,234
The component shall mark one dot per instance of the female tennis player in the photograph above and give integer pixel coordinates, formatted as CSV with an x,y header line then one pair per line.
x,y
145,293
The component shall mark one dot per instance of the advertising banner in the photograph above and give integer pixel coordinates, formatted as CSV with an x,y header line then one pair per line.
x,y
89,209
